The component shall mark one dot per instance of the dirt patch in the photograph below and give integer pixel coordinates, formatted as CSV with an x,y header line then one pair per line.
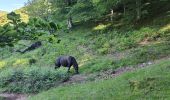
x,y
113,73
8,96
80,78
145,42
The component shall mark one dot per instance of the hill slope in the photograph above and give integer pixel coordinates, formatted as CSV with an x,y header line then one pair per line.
x,y
98,47
103,49
3,18
21,11
2,13
148,83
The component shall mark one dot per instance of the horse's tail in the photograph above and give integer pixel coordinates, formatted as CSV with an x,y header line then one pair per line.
x,y
75,64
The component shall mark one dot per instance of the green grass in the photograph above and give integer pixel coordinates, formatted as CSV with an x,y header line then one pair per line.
x,y
95,49
133,57
150,83
90,46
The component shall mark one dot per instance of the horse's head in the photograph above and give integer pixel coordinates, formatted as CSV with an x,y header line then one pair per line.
x,y
56,67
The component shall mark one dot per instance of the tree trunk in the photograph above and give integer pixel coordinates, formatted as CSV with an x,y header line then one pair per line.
x,y
111,15
69,23
124,9
138,9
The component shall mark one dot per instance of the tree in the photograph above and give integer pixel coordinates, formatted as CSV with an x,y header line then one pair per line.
x,y
14,19
40,8
62,8
83,10
138,9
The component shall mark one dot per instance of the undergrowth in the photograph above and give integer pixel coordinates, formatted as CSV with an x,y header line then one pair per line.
x,y
30,80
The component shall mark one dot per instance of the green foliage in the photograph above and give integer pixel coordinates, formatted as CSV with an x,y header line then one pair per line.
x,y
30,80
79,10
37,27
8,35
15,18
39,8
31,30
83,10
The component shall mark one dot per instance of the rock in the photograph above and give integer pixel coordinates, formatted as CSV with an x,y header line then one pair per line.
x,y
149,63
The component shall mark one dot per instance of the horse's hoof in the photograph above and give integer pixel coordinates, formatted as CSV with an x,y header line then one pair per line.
x,y
68,72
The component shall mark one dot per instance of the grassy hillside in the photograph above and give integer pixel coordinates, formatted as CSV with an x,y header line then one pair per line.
x,y
21,11
98,46
2,13
149,83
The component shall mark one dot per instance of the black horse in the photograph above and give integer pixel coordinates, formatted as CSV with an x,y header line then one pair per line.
x,y
67,61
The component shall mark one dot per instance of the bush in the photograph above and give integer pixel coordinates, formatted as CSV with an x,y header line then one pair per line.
x,y
103,50
30,80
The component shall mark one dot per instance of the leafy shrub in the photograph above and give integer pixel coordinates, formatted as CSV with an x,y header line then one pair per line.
x,y
2,64
17,30
31,79
103,50
123,43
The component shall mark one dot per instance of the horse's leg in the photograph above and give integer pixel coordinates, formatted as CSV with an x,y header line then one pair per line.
x,y
68,70
69,66
76,69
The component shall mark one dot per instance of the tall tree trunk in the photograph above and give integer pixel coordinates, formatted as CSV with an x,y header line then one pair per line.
x,y
124,8
138,9
111,15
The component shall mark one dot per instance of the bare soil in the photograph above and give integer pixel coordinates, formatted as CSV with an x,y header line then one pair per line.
x,y
8,96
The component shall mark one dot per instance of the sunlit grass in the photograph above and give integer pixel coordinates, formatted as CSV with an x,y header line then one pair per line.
x,y
2,64
20,62
3,19
85,58
165,28
101,27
